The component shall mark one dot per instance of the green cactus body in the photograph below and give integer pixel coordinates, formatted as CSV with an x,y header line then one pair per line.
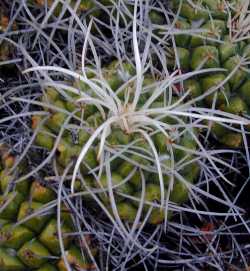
x,y
215,46
45,140
179,193
56,121
190,12
36,223
213,31
236,105
239,76
44,136
137,160
7,182
232,140
31,243
40,193
194,87
51,95
156,17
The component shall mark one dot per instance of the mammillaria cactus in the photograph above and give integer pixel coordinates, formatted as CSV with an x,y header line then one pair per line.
x,y
120,136
33,243
123,157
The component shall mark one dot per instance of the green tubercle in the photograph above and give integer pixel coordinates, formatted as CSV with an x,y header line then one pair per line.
x,y
236,106
205,57
222,89
35,223
126,211
40,193
33,254
49,237
11,209
9,261
12,236
239,75
179,194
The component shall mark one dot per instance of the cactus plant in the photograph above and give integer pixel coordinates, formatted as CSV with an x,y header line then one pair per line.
x,y
125,168
130,141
